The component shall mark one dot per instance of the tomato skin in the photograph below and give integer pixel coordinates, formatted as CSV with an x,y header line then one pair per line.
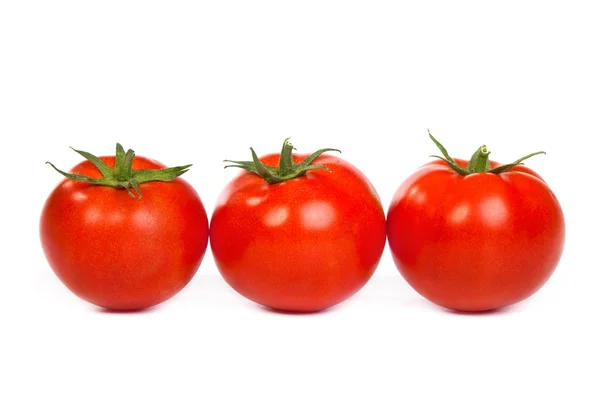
x,y
301,245
122,253
476,242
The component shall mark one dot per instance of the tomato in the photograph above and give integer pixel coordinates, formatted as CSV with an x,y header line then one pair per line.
x,y
476,241
120,252
303,243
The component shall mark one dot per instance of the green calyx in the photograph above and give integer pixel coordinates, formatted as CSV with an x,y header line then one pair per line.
x,y
122,176
479,162
287,168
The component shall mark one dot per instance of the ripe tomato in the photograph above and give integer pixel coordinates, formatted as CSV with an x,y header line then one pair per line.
x,y
119,252
304,242
475,241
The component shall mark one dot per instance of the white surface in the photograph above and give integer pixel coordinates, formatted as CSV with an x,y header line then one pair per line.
x,y
203,81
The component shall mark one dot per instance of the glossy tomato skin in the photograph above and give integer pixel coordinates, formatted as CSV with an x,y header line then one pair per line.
x,y
476,242
301,245
118,252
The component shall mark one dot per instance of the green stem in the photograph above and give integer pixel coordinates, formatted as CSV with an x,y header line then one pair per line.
x,y
286,170
123,176
480,161
286,161
123,169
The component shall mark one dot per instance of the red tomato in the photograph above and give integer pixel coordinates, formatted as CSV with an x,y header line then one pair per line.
x,y
118,252
476,242
300,245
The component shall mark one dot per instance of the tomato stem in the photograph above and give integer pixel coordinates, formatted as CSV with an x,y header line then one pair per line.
x,y
287,168
286,161
123,169
479,161
123,176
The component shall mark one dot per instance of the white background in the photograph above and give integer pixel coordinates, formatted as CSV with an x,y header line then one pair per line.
x,y
199,82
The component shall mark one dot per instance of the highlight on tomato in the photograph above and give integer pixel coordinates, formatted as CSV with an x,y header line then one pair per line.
x,y
297,232
475,235
124,232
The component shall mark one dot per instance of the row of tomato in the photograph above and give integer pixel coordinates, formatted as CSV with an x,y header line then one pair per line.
x,y
303,232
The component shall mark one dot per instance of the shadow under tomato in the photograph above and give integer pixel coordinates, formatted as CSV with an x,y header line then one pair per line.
x,y
270,310
147,310
494,312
